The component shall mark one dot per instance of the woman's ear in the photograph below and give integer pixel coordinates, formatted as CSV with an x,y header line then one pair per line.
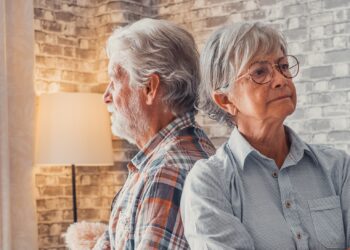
x,y
224,102
152,88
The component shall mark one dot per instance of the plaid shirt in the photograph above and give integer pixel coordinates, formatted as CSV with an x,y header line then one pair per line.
x,y
145,213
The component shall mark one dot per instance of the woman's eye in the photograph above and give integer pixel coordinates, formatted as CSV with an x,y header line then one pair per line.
x,y
284,66
260,71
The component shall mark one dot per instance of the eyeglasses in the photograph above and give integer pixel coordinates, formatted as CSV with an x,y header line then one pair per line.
x,y
262,72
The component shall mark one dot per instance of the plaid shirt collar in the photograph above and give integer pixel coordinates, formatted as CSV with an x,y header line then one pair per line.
x,y
140,160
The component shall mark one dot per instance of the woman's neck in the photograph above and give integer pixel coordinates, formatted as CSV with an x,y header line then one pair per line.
x,y
269,139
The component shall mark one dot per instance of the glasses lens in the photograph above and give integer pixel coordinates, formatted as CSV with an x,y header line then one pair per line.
x,y
261,72
289,66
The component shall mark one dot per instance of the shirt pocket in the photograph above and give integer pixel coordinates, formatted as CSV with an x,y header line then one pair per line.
x,y
328,221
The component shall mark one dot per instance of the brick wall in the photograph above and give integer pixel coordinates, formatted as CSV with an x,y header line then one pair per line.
x,y
70,36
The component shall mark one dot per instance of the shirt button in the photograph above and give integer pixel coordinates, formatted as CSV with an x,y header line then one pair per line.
x,y
288,204
298,236
274,175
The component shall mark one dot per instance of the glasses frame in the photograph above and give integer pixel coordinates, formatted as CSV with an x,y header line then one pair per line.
x,y
273,65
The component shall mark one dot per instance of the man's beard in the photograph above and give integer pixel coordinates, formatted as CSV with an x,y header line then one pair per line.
x,y
129,123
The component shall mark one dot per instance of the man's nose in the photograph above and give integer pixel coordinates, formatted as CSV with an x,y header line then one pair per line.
x,y
107,96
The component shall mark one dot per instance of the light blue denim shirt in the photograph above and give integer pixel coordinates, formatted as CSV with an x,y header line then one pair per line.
x,y
239,199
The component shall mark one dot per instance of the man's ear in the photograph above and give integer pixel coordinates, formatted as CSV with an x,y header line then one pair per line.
x,y
152,88
223,101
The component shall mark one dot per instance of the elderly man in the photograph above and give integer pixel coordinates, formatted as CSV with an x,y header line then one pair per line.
x,y
153,67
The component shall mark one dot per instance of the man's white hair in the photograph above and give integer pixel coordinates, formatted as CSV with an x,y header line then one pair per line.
x,y
159,47
228,52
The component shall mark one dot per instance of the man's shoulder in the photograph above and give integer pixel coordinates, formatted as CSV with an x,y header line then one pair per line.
x,y
183,148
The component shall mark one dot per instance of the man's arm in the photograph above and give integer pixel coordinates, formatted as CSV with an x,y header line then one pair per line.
x,y
207,213
103,242
158,222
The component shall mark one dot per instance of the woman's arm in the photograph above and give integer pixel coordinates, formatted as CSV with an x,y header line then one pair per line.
x,y
207,214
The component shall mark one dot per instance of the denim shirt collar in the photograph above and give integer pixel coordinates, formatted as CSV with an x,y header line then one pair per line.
x,y
241,148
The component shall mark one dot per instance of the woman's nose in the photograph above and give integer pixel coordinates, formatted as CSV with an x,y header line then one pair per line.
x,y
107,96
278,79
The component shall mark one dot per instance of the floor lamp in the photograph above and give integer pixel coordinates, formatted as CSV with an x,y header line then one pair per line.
x,y
73,129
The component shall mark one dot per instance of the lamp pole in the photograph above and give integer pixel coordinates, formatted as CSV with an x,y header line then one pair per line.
x,y
74,195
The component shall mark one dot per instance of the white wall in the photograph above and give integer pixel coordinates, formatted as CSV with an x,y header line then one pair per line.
x,y
17,104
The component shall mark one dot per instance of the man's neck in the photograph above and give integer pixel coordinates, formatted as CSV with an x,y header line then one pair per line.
x,y
159,119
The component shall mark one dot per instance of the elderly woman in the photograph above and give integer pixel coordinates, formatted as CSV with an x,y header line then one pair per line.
x,y
265,188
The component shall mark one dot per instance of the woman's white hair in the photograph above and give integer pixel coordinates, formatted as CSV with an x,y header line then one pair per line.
x,y
159,47
227,53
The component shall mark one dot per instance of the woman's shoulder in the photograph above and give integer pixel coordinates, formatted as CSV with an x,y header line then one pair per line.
x,y
217,165
214,173
330,158
327,151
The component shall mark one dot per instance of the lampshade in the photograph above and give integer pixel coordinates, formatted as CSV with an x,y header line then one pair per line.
x,y
73,128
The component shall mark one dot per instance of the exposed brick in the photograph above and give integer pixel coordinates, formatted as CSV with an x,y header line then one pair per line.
x,y
341,69
296,34
51,26
68,75
296,9
89,214
51,49
83,32
339,124
84,180
66,41
65,16
321,18
337,56
340,83
40,36
321,71
51,191
268,2
232,7
69,51
340,42
83,169
43,229
317,124
320,86
85,77
55,229
68,87
85,54
340,15
254,15
337,29
336,110
336,4
339,136
52,215
315,6
313,112
88,190
40,180
317,32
